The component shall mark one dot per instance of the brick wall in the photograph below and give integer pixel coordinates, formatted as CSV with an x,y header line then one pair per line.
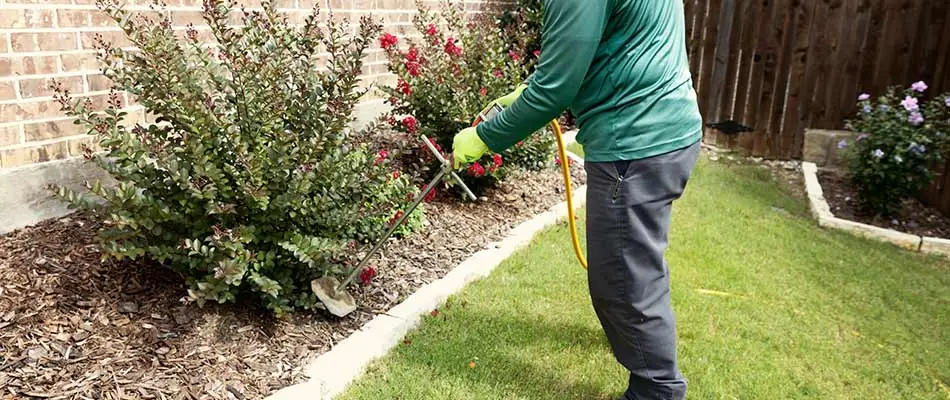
x,y
44,39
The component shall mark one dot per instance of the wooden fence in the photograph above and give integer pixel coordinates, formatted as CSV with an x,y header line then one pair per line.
x,y
780,66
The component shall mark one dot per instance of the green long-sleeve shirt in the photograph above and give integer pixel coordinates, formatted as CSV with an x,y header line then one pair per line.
x,y
621,67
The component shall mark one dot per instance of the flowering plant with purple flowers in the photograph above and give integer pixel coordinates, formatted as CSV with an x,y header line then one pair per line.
x,y
901,136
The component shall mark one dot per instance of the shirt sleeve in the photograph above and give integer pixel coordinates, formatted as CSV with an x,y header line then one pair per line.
x,y
572,30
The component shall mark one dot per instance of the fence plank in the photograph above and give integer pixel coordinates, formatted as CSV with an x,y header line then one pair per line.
x,y
771,41
833,86
853,85
707,61
721,59
789,126
747,65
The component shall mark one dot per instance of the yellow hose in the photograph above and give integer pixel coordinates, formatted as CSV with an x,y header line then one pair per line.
x,y
566,172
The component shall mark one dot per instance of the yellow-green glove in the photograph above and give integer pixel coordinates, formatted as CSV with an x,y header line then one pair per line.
x,y
467,147
508,99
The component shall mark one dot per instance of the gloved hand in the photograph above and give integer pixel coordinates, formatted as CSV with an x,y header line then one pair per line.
x,y
508,99
467,147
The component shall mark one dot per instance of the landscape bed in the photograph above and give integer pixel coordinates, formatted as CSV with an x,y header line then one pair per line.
x,y
76,327
913,216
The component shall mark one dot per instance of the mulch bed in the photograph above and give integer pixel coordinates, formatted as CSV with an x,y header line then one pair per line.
x,y
75,327
913,217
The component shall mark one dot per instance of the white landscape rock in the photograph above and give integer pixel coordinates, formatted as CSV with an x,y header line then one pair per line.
x,y
816,198
900,239
931,245
330,373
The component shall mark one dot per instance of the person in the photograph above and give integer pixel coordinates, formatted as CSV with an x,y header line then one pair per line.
x,y
621,67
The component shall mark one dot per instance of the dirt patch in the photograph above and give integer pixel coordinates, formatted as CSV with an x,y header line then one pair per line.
x,y
913,217
75,327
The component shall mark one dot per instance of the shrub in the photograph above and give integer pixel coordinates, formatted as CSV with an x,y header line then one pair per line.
x,y
521,23
900,139
247,183
445,78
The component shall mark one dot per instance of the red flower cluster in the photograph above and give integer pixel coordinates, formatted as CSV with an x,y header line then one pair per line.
x,y
367,275
476,170
381,156
413,68
388,40
412,55
496,163
396,174
404,88
412,62
514,55
431,31
430,196
557,160
434,144
498,73
410,124
395,217
537,53
483,91
451,48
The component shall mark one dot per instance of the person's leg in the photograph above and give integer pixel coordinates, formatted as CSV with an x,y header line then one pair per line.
x,y
628,218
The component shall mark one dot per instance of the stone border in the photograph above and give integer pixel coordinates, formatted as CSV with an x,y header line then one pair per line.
x,y
332,372
822,212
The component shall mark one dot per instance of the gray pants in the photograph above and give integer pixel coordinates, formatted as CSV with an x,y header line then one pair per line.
x,y
628,219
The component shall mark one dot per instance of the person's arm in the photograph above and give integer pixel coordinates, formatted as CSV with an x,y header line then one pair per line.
x,y
572,29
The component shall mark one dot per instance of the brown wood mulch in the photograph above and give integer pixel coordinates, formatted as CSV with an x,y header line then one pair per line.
x,y
75,327
913,217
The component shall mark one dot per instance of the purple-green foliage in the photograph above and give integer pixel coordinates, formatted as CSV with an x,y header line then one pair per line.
x,y
247,183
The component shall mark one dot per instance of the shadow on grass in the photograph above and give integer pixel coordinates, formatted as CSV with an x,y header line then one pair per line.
x,y
509,352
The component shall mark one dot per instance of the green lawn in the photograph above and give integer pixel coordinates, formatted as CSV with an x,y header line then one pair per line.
x,y
768,307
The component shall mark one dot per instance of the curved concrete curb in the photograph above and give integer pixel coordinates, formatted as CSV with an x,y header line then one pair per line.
x,y
331,372
822,213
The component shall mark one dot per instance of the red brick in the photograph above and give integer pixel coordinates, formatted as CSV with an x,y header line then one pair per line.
x,y
26,18
73,18
31,110
22,156
44,41
115,38
7,92
184,18
99,83
76,145
80,62
100,19
4,46
15,65
40,87
9,135
39,2
51,130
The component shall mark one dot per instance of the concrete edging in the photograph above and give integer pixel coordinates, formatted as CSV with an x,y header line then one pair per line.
x,y
821,211
332,372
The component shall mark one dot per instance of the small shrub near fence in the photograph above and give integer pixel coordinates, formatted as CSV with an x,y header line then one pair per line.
x,y
247,183
901,137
